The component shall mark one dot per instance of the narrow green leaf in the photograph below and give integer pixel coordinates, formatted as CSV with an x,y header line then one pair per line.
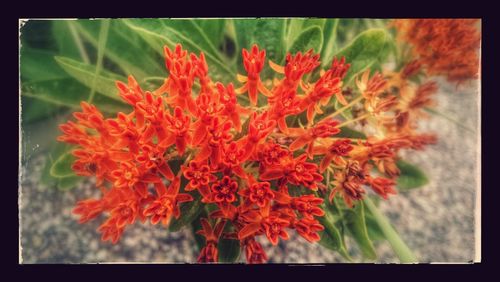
x,y
189,212
62,165
39,65
374,231
329,42
104,83
213,29
101,46
314,22
69,93
410,177
366,49
170,32
68,41
331,237
138,59
399,247
354,220
347,132
294,28
229,249
311,37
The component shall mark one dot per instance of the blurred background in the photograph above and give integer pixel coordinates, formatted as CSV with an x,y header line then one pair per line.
x,y
65,62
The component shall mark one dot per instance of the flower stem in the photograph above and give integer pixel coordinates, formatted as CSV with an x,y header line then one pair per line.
x,y
404,253
341,110
353,120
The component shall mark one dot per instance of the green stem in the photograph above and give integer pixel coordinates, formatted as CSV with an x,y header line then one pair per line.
x,y
399,247
103,37
445,116
78,42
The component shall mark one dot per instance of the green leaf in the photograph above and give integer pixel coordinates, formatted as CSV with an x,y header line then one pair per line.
x,y
104,83
39,65
68,183
269,35
137,59
170,32
33,110
189,212
311,37
354,220
294,28
331,237
44,80
347,132
229,249
411,176
68,41
213,29
63,183
62,165
329,42
69,93
404,253
374,231
365,50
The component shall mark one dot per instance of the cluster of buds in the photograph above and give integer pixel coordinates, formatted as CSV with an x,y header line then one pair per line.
x,y
239,155
448,47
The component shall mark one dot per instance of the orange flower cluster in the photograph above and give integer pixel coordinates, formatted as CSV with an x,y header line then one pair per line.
x,y
242,159
447,47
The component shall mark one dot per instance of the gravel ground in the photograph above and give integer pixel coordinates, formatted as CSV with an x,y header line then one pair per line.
x,y
436,221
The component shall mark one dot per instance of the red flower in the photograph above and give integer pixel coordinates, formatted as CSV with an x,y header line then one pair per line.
x,y
282,106
335,152
296,66
88,209
232,159
125,213
295,171
198,175
258,193
271,154
177,126
274,228
325,128
110,230
166,203
127,175
382,186
253,62
224,190
254,252
181,80
231,109
210,253
308,205
218,135
309,228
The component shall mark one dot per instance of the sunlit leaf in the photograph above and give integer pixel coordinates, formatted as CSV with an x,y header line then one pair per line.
x,y
354,220
411,176
104,83
365,50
